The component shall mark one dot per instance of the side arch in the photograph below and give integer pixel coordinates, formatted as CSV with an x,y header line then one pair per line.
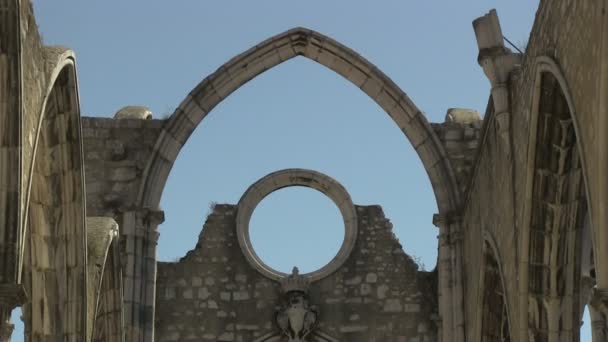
x,y
53,261
104,283
325,51
494,320
555,208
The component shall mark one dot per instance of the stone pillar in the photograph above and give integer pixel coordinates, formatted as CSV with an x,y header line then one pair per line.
x,y
600,219
598,325
498,62
553,317
10,168
599,300
444,267
139,241
451,291
458,287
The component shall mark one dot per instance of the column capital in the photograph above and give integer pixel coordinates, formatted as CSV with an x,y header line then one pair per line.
x,y
442,220
599,300
156,216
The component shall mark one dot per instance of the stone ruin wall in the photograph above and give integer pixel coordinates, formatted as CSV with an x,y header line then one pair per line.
x,y
563,30
23,60
37,64
460,134
213,294
116,152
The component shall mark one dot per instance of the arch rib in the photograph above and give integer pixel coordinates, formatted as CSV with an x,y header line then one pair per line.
x,y
544,65
56,167
272,52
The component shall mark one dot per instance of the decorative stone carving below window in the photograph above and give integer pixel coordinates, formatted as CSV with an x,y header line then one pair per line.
x,y
296,318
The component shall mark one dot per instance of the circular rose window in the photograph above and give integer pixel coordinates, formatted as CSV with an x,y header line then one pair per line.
x,y
296,178
296,227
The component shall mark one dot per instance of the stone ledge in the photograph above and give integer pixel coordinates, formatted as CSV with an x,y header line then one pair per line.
x,y
105,122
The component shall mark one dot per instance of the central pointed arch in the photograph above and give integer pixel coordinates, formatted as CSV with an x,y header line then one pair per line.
x,y
272,52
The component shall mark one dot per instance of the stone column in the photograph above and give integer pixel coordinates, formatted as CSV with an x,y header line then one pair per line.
x,y
458,287
553,317
444,267
598,310
10,150
451,292
598,325
139,241
497,62
600,186
599,300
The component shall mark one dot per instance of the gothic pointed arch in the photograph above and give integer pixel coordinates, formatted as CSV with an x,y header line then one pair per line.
x,y
556,208
54,242
495,317
272,52
104,280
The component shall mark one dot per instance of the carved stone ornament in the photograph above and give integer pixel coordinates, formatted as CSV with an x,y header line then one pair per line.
x,y
296,318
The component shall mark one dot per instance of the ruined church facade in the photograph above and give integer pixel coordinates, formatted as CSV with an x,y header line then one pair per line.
x,y
521,195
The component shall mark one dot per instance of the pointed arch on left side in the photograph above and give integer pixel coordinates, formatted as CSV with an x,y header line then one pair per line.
x,y
53,240
494,314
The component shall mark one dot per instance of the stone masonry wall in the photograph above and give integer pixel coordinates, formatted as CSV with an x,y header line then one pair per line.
x,y
116,153
213,294
35,72
460,141
564,30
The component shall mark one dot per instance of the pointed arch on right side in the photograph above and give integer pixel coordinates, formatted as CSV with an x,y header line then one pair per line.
x,y
556,206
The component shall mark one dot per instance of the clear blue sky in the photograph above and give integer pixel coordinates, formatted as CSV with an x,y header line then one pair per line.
x,y
298,114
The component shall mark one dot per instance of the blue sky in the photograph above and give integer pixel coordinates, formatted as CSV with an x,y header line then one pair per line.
x,y
298,114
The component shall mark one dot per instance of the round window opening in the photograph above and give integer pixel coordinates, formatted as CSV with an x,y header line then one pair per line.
x,y
296,226
309,255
